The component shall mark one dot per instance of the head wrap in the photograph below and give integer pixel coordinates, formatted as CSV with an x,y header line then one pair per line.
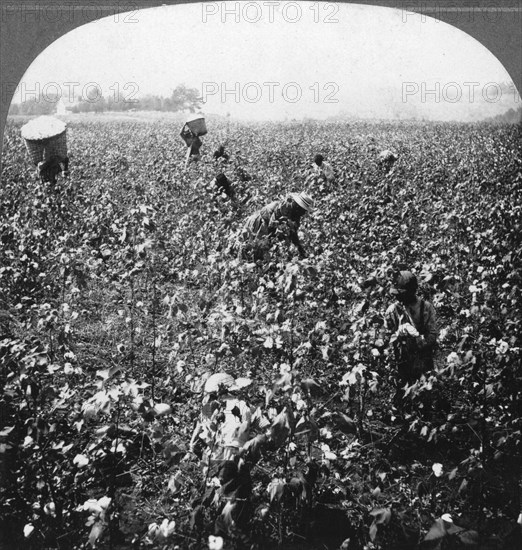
x,y
406,281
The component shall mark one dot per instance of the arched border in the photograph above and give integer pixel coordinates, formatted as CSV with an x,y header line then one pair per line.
x,y
27,28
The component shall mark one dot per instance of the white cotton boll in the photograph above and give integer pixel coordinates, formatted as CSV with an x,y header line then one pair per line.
x,y
28,530
162,409
167,528
153,530
437,469
215,543
453,359
104,502
80,460
92,506
502,348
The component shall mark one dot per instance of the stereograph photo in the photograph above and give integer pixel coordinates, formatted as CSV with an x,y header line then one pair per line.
x,y
260,275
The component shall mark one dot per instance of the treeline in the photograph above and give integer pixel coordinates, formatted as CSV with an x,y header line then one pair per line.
x,y
511,116
181,99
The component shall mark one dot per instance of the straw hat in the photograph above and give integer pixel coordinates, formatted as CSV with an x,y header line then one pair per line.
x,y
304,200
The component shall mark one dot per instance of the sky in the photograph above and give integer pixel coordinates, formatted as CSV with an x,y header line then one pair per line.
x,y
283,60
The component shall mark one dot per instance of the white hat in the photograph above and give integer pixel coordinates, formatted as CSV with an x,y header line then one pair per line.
x,y
304,200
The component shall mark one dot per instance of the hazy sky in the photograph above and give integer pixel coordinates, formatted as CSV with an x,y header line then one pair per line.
x,y
283,60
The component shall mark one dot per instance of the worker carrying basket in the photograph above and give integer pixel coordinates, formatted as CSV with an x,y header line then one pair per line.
x,y
193,128
46,142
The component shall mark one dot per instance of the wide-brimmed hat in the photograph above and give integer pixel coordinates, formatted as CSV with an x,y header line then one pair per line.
x,y
304,200
405,281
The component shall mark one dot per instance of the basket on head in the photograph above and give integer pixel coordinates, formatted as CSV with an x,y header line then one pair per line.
x,y
45,137
197,125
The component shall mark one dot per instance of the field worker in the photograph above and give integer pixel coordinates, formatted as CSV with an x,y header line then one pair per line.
x,y
48,170
224,186
387,159
193,154
284,214
225,420
323,169
413,323
194,144
220,154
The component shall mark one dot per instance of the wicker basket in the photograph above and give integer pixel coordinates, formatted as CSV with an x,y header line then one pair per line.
x,y
45,137
43,149
197,125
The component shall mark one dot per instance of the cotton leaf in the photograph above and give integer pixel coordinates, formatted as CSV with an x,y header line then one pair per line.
x,y
259,419
254,446
381,516
345,423
276,489
463,486
6,431
226,514
175,483
96,532
373,531
218,380
310,384
280,428
440,529
108,373
469,538
242,382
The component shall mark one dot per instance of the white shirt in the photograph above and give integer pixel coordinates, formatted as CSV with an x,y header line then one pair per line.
x,y
324,170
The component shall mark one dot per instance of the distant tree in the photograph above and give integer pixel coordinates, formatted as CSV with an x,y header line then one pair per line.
x,y
37,106
511,116
184,98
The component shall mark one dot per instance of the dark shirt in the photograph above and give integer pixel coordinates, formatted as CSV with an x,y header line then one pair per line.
x,y
195,146
414,354
221,155
265,222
